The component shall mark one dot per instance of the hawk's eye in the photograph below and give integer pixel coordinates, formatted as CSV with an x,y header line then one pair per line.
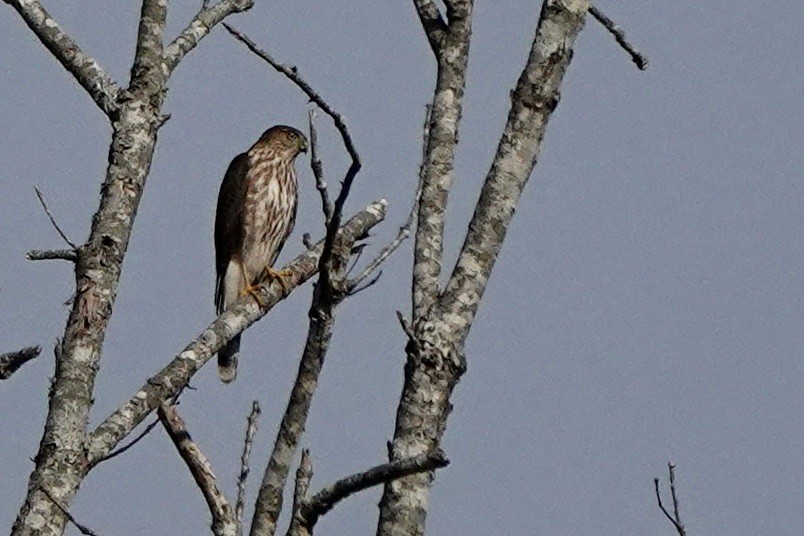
x,y
293,135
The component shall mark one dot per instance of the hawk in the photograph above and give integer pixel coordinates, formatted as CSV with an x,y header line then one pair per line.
x,y
255,214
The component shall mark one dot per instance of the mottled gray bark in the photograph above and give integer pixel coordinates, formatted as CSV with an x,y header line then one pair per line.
x,y
441,320
450,44
62,461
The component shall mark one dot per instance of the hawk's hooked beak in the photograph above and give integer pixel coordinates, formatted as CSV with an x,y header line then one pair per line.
x,y
303,146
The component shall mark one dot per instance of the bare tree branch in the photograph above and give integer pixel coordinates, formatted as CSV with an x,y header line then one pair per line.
x,y
533,101
130,444
329,291
452,55
52,254
175,376
83,529
318,171
202,24
88,72
304,474
251,430
441,321
223,517
432,22
323,501
675,518
53,220
60,470
637,57
11,362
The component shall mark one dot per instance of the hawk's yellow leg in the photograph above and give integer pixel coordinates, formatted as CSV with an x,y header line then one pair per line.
x,y
269,274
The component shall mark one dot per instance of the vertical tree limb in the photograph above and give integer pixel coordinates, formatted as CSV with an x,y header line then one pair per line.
x,y
441,322
61,462
451,48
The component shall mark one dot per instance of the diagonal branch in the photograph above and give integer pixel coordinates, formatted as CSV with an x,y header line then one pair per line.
x,y
637,57
11,362
533,101
323,501
88,72
223,517
52,219
174,377
432,22
83,529
202,24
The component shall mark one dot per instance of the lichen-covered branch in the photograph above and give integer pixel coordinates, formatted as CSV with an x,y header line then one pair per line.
x,y
11,362
202,24
88,72
536,95
441,321
452,56
223,517
61,460
170,380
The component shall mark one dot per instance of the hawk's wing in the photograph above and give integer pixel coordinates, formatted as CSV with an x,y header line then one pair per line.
x,y
228,221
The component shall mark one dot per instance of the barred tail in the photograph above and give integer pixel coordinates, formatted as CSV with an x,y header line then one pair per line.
x,y
227,360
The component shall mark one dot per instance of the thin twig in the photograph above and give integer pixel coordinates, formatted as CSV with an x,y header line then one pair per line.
x,y
133,442
83,529
323,501
638,58
10,362
52,219
293,74
251,429
318,171
675,519
52,254
404,230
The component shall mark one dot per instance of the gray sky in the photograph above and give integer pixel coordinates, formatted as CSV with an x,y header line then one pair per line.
x,y
647,305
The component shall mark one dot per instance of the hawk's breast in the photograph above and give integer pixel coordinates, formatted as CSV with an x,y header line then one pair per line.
x,y
269,209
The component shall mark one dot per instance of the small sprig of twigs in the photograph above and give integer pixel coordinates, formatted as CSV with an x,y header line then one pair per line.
x,y
675,517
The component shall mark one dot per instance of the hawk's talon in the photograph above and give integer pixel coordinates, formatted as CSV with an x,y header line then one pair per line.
x,y
269,274
254,292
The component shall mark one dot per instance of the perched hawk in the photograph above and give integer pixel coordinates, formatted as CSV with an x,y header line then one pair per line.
x,y
256,212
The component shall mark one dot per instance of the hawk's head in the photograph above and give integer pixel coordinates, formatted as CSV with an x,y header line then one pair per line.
x,y
285,140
